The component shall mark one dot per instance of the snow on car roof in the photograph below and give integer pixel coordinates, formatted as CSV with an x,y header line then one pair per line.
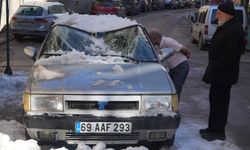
x,y
41,4
95,23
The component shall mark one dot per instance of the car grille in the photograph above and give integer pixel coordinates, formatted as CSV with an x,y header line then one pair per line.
x,y
95,105
103,136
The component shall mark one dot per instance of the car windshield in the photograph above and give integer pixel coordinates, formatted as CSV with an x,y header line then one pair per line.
x,y
239,14
129,42
29,11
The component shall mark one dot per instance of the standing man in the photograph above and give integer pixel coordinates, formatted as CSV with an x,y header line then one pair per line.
x,y
222,71
177,64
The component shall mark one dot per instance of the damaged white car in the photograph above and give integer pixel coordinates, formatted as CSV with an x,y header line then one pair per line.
x,y
98,78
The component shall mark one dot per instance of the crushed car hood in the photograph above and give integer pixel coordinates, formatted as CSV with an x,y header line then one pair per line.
x,y
139,78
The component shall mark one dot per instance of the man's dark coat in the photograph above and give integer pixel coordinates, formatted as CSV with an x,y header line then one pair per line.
x,y
225,50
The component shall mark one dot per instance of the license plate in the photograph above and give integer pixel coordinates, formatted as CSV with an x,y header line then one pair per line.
x,y
103,127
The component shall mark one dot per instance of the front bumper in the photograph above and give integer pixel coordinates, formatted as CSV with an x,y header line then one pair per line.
x,y
62,128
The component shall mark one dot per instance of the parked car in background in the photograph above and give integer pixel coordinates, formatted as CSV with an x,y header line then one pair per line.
x,y
146,5
187,3
205,24
112,7
180,4
36,18
197,4
100,83
174,4
167,4
132,6
158,4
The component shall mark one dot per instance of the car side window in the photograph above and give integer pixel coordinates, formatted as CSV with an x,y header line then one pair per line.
x,y
202,17
213,17
57,9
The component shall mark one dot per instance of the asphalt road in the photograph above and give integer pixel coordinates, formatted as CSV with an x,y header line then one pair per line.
x,y
173,23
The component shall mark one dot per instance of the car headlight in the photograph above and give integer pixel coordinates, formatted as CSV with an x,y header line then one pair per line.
x,y
26,102
161,103
46,103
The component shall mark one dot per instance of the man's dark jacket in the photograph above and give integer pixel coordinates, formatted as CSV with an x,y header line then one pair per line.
x,y
225,50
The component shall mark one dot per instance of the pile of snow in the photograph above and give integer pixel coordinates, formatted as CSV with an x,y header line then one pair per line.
x,y
42,73
7,144
95,23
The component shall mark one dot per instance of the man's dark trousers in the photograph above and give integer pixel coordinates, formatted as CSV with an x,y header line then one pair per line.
x,y
219,98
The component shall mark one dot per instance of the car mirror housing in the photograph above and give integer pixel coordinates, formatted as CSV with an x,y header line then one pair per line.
x,y
166,52
30,51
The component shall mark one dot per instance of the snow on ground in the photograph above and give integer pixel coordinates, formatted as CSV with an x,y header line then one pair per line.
x,y
12,132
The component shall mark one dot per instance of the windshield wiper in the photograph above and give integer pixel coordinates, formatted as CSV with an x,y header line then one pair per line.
x,y
51,54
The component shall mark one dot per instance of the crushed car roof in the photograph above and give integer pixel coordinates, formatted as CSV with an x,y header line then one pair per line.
x,y
95,23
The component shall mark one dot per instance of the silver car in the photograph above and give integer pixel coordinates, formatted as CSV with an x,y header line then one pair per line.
x,y
36,18
100,86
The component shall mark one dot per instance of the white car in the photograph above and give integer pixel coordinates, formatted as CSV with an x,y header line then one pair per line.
x,y
36,18
205,24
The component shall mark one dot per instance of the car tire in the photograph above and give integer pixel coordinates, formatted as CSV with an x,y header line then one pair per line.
x,y
201,44
18,37
192,40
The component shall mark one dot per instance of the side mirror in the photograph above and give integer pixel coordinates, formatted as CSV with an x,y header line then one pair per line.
x,y
192,19
166,52
30,51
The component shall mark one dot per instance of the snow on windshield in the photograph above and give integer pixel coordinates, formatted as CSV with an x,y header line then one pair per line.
x,y
95,23
130,42
76,57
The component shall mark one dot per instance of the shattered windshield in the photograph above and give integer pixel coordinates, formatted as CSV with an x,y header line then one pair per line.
x,y
129,43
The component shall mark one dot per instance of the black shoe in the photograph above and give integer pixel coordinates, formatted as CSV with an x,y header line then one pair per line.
x,y
209,135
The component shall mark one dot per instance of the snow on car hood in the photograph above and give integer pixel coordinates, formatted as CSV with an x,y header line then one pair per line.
x,y
147,78
95,23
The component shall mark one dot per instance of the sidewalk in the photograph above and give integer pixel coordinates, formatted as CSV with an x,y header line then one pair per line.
x,y
3,37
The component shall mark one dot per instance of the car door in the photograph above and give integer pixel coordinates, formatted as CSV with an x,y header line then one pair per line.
x,y
199,24
57,10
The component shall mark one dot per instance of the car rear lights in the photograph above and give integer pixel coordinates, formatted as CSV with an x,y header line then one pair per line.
x,y
14,18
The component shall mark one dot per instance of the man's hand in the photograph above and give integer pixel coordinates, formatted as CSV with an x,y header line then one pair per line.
x,y
186,52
